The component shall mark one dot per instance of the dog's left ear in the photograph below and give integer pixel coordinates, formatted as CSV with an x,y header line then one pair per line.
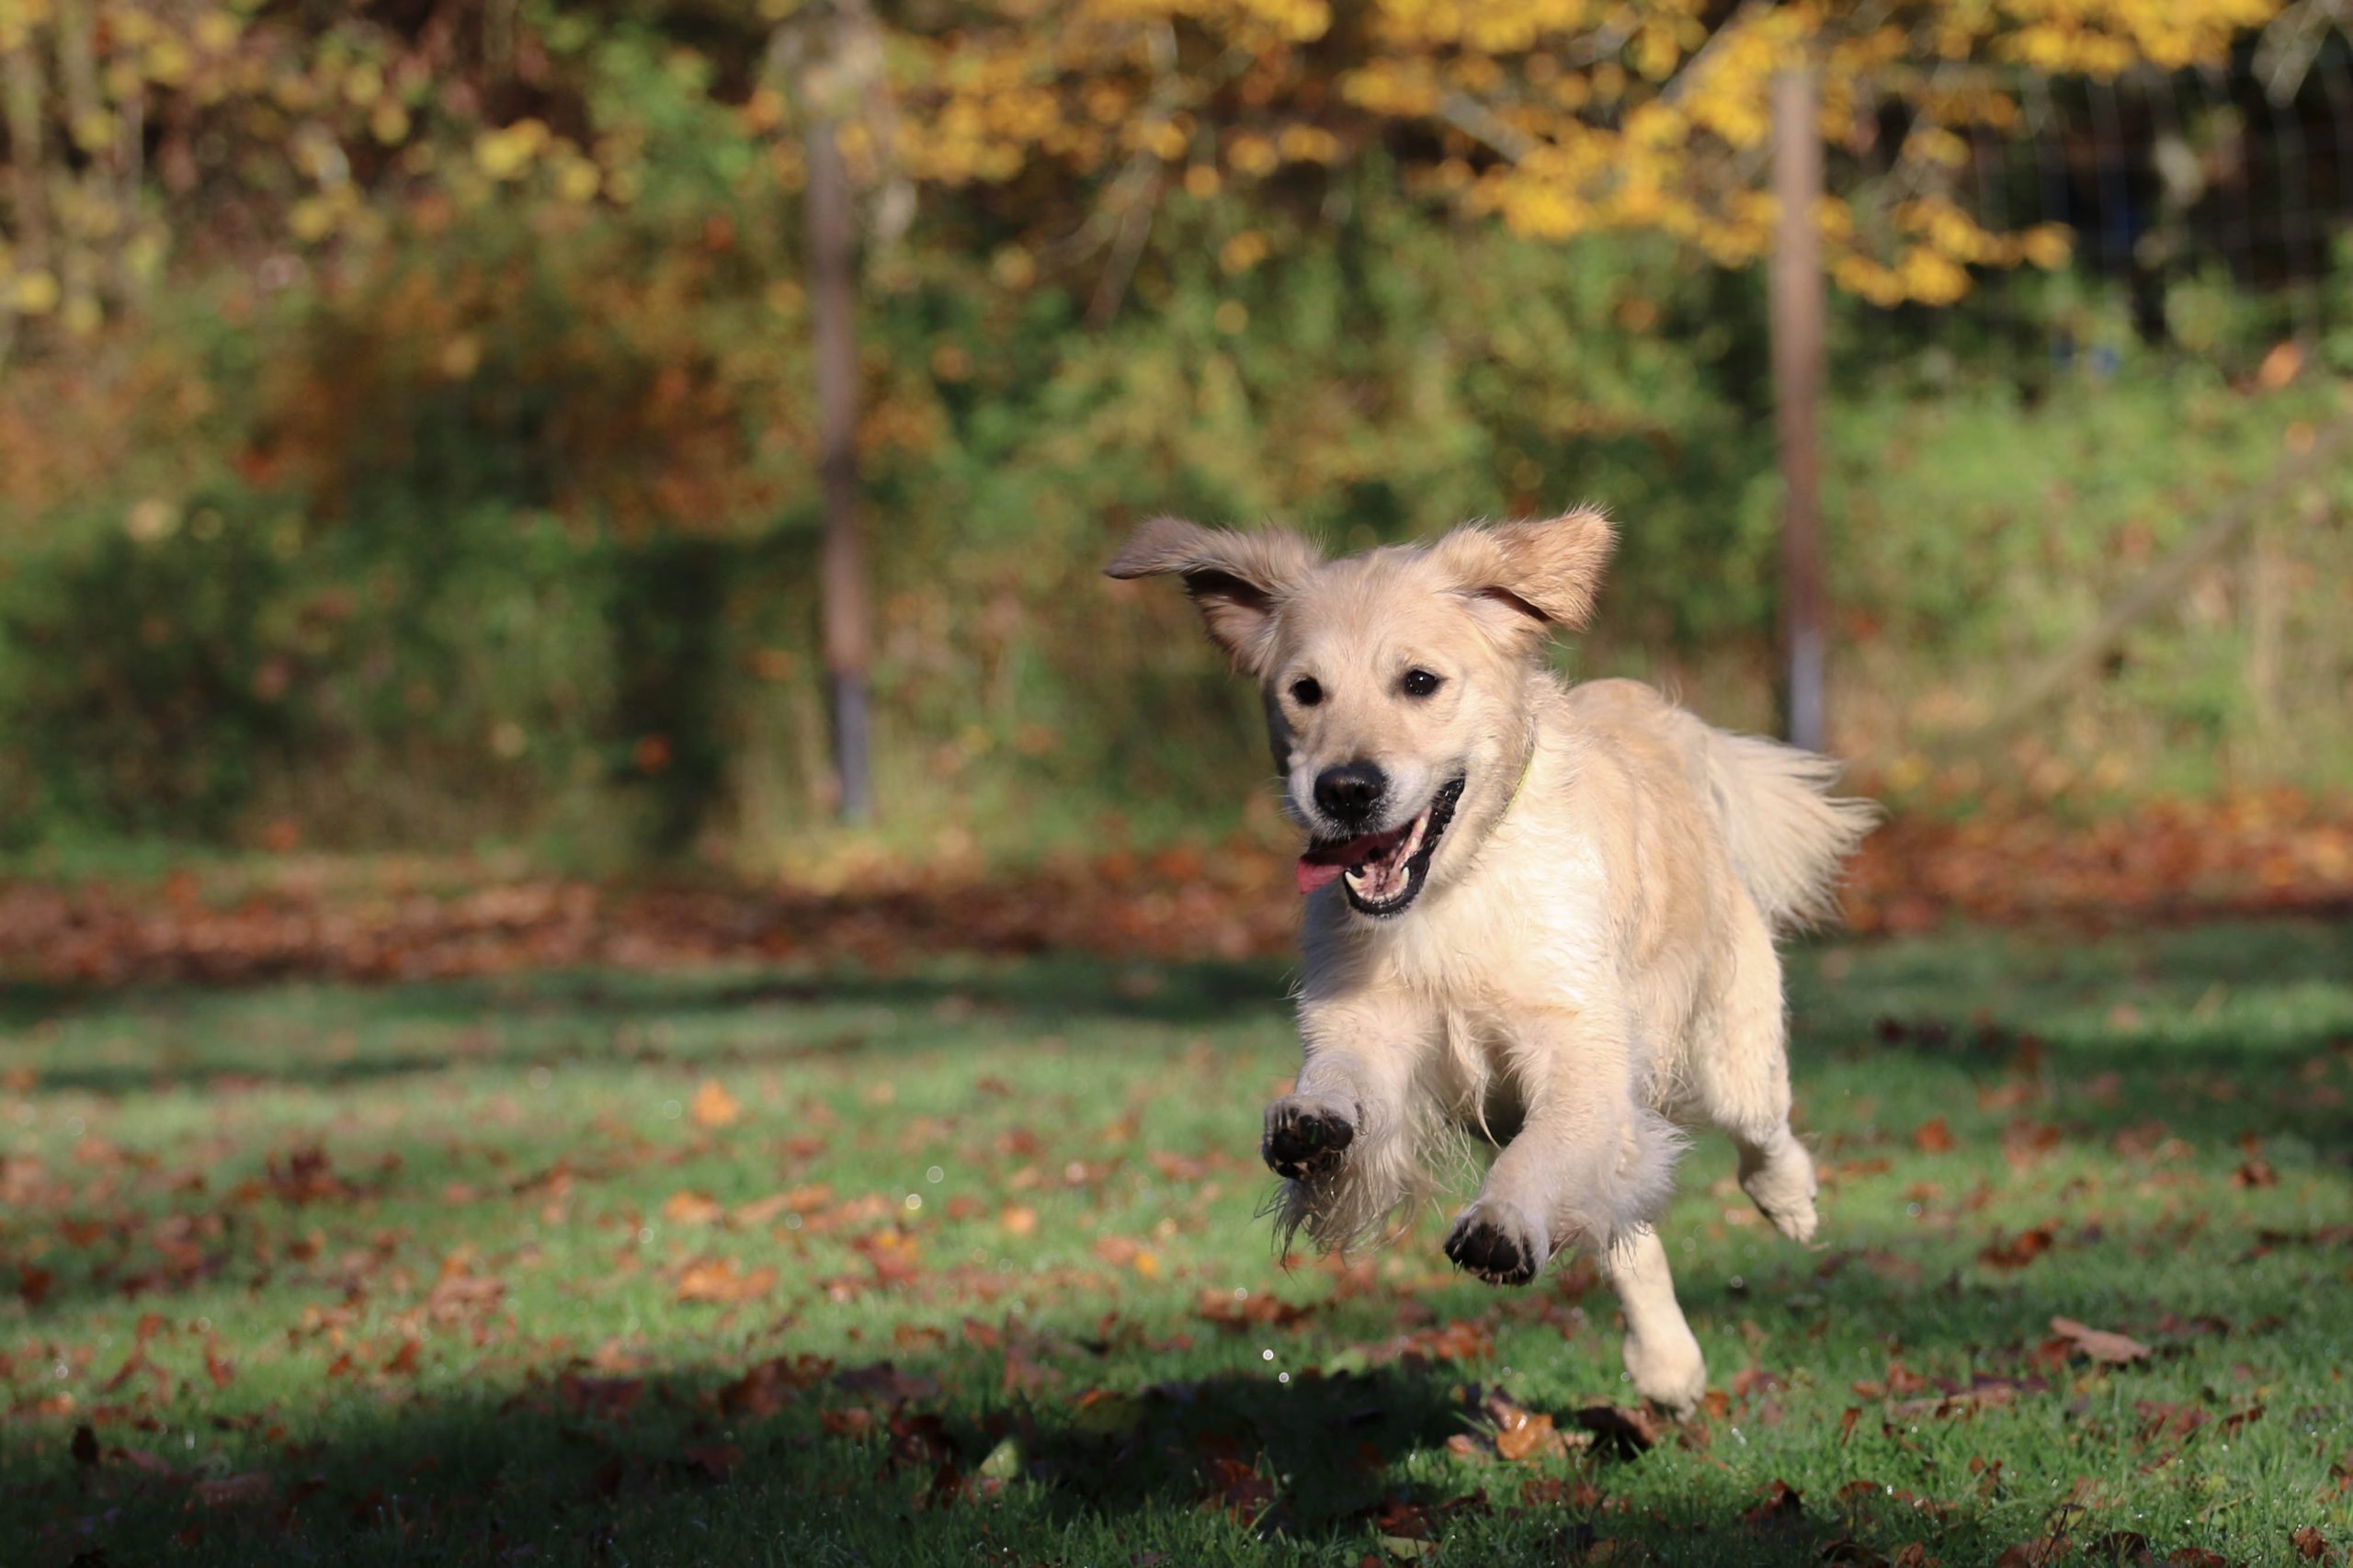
x,y
1237,579
1531,576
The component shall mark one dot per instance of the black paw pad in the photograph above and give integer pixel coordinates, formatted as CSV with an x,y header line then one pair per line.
x,y
1482,1247
1301,1141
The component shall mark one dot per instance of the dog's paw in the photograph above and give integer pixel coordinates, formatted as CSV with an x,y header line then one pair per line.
x,y
1307,1136
1668,1370
1487,1242
1782,1184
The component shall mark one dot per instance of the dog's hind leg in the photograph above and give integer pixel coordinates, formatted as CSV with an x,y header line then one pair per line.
x,y
1740,1077
1662,1357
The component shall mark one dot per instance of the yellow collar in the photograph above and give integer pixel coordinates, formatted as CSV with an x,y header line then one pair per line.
x,y
1526,768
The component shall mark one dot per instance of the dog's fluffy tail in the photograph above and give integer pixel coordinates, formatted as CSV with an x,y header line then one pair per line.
x,y
1786,834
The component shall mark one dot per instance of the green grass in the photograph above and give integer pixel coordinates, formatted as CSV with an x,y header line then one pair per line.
x,y
501,1160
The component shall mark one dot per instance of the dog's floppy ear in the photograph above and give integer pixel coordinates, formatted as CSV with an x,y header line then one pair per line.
x,y
1237,579
1528,577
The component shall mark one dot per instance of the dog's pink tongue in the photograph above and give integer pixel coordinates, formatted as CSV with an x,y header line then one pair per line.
x,y
1314,874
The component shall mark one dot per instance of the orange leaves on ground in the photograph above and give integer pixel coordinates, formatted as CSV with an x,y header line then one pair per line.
x,y
1235,1310
767,1387
792,1200
2234,855
1782,1504
2313,1546
720,1282
2255,1172
713,1106
1527,1434
691,1208
1933,1137
2019,1250
305,1176
1124,1252
1019,1220
1236,1487
2101,1345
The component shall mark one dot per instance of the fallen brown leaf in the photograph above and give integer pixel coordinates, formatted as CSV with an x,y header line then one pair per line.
x,y
852,1421
2018,1252
1621,1431
713,1106
1524,1433
2255,1172
794,1200
2101,1345
718,1281
690,1209
1781,1505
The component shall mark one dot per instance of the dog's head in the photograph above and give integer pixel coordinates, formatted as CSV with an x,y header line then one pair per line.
x,y
1397,682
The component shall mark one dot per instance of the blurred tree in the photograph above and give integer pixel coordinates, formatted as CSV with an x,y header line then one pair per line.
x,y
1061,124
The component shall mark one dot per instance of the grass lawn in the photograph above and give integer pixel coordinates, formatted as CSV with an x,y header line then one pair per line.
x,y
959,1265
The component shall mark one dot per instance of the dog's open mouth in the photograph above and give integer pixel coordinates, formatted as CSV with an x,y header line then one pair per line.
x,y
1382,872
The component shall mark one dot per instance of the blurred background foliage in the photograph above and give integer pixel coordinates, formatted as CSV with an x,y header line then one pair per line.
x,y
406,432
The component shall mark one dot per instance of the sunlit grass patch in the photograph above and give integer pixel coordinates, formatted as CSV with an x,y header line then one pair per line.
x,y
961,1263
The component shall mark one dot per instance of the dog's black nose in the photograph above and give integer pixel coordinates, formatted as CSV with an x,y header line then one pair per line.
x,y
1348,793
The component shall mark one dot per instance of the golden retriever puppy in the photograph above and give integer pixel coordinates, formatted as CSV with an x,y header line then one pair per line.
x,y
1539,913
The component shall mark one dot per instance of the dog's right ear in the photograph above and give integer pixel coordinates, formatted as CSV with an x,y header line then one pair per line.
x,y
1237,579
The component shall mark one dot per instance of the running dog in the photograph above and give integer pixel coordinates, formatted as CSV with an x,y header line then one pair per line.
x,y
1539,913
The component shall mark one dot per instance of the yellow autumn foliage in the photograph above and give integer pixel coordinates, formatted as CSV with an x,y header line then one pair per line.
x,y
1556,117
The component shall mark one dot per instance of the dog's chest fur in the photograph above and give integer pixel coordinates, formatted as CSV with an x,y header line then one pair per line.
x,y
1528,928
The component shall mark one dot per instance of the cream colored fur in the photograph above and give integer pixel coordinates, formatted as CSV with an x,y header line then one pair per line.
x,y
1589,965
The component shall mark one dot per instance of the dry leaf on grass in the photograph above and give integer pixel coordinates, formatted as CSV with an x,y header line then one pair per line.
x,y
714,1105
2100,1343
718,1280
1527,1432
690,1209
1933,1137
2019,1251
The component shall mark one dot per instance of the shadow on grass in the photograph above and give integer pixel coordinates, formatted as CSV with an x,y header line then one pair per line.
x,y
793,1460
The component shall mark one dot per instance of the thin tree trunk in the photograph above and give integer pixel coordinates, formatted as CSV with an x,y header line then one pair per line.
x,y
91,132
1797,384
22,83
848,634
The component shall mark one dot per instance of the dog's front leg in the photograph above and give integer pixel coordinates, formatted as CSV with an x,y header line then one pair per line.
x,y
1344,1139
1590,1163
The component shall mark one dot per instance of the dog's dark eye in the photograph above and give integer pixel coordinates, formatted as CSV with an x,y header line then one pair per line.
x,y
1421,683
1305,692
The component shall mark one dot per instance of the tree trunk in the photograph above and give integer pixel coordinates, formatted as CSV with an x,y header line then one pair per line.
x,y
842,577
1797,389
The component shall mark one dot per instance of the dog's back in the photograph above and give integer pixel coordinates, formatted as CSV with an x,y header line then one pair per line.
x,y
1785,833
